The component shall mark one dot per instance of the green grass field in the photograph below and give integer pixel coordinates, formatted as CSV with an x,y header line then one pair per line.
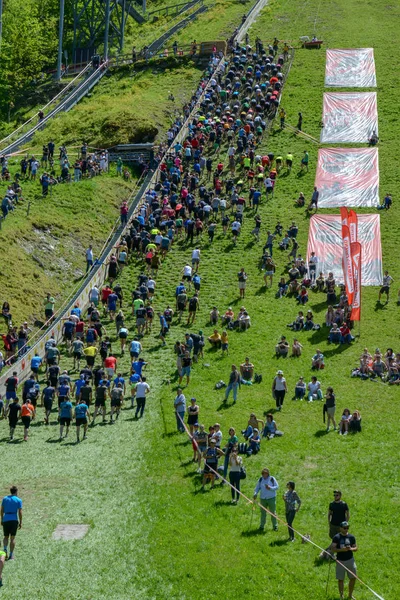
x,y
152,534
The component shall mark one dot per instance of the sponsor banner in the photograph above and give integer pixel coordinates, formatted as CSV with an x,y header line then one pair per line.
x,y
325,239
355,249
347,264
350,68
347,177
349,117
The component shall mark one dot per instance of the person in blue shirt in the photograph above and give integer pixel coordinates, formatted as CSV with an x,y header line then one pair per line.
x,y
76,311
77,386
133,380
119,380
267,486
82,417
11,519
28,384
68,331
138,366
63,392
35,365
65,417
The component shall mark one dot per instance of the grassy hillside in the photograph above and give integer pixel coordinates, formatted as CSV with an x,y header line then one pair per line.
x,y
152,533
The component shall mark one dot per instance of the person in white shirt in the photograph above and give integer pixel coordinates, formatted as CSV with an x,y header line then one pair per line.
x,y
142,389
267,486
314,390
386,283
279,389
196,259
89,258
187,275
94,295
235,228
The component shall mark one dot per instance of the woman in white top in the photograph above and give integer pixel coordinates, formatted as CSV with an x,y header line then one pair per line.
x,y
279,389
235,466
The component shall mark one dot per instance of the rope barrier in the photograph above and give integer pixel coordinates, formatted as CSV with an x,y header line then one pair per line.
x,y
282,521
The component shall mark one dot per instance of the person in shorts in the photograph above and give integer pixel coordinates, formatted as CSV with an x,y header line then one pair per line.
x,y
344,545
201,439
65,416
14,412
117,397
27,414
386,283
48,395
3,556
102,391
82,418
11,388
77,352
85,394
11,519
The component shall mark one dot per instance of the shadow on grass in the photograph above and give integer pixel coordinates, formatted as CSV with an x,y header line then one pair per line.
x,y
278,543
337,350
169,434
224,406
191,474
379,306
223,503
252,533
53,441
321,433
261,290
187,463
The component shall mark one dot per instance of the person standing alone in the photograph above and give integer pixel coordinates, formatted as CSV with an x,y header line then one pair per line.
x,y
267,486
11,519
344,545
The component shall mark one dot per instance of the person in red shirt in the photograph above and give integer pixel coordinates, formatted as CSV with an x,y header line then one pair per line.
x,y
110,365
105,292
347,338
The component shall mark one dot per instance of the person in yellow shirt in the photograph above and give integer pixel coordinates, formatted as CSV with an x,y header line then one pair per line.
x,y
215,339
224,342
90,353
282,116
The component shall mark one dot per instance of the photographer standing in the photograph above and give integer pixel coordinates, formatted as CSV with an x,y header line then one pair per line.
x,y
344,544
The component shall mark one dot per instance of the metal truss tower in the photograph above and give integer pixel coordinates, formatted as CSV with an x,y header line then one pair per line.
x,y
97,23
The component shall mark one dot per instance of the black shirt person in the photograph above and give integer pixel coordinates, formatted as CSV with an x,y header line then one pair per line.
x,y
344,545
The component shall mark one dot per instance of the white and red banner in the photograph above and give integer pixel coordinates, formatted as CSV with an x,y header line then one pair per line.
x,y
325,239
355,251
349,117
347,265
350,68
347,177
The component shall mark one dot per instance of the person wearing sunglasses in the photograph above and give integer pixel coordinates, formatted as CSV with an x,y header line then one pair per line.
x,y
344,545
338,512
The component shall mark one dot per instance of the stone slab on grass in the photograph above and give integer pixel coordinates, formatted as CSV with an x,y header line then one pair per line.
x,y
70,532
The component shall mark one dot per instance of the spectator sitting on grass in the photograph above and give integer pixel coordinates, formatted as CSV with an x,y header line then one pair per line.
x,y
298,323
282,347
228,316
355,422
270,429
294,286
214,315
300,389
302,298
379,367
215,339
345,335
284,243
282,288
314,391
309,324
335,336
318,360
320,282
254,443
344,422
296,348
253,423
247,370
244,321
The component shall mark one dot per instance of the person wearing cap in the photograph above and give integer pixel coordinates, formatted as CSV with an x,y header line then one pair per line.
x,y
344,545
279,389
193,414
267,486
211,456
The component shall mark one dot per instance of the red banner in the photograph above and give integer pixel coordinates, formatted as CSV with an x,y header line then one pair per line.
x,y
353,226
347,264
344,213
355,248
